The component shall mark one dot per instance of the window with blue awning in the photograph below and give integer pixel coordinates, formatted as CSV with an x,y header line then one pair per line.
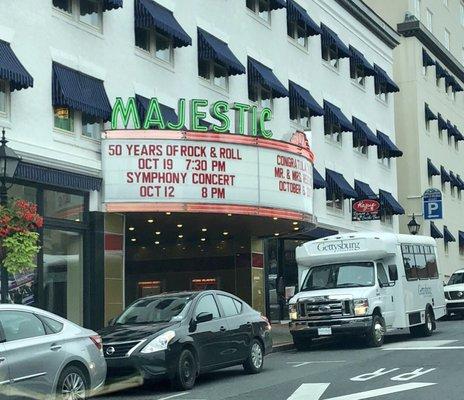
x,y
357,60
434,231
302,101
389,203
461,238
78,91
277,4
427,61
260,75
362,133
442,124
429,115
168,113
330,39
440,72
11,69
431,169
383,83
337,184
334,117
106,5
387,148
297,17
453,180
461,182
363,190
318,180
445,177
447,235
210,48
151,15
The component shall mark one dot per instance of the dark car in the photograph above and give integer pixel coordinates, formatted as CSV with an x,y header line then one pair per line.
x,y
180,335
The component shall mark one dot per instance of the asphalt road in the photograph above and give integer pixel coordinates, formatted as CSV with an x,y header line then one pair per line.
x,y
405,368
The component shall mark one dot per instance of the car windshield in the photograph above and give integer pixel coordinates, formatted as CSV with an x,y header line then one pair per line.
x,y
339,276
456,278
155,309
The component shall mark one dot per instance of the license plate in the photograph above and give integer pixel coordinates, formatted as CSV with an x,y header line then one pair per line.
x,y
324,331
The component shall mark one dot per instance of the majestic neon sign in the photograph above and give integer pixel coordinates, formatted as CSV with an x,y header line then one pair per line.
x,y
248,119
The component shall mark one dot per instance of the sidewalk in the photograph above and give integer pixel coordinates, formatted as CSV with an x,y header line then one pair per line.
x,y
281,336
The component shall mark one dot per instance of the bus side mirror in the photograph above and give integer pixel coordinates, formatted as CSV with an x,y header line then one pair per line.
x,y
393,272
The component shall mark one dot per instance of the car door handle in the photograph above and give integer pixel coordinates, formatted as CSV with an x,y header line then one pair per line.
x,y
222,328
55,347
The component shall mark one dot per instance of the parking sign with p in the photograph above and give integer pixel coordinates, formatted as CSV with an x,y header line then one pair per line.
x,y
433,204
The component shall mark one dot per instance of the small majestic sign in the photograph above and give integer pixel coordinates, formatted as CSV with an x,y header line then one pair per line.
x,y
248,119
365,210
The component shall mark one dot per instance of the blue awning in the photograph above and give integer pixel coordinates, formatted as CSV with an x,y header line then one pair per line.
x,y
429,115
434,231
151,15
363,133
389,148
78,91
364,190
357,58
389,203
318,180
106,6
276,4
445,176
453,180
301,98
336,182
461,182
431,169
442,125
12,70
333,115
447,235
440,72
212,48
382,78
457,134
297,14
57,177
169,114
457,87
461,238
427,61
260,74
330,38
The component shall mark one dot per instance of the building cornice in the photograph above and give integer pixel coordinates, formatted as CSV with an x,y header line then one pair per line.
x,y
364,14
418,30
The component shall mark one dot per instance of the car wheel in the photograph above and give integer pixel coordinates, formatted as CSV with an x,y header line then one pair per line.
x,y
186,371
72,384
255,360
302,344
376,334
425,329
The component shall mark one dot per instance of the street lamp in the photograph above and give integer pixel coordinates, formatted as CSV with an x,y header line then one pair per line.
x,y
9,161
413,226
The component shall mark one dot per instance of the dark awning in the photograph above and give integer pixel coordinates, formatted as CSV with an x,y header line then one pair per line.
x,y
259,73
429,115
106,6
57,177
427,61
382,78
431,169
169,114
457,87
151,15
330,38
12,70
434,231
336,182
440,72
318,180
78,91
458,134
335,116
461,238
447,235
445,176
276,4
389,203
364,190
363,133
442,125
461,182
357,58
296,13
212,48
300,97
453,180
450,128
388,146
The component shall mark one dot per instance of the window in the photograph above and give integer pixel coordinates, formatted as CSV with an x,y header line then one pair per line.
x,y
64,5
360,145
207,304
417,9
64,118
4,98
228,305
163,47
214,73
142,39
427,124
358,75
446,248
90,12
332,132
429,20
386,217
420,262
382,275
91,126
381,92
156,43
19,325
303,118
261,8
447,39
51,325
262,96
409,261
335,201
330,54
63,205
297,33
238,306
431,262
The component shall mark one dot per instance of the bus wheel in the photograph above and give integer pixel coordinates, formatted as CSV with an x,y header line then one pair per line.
x,y
376,335
425,329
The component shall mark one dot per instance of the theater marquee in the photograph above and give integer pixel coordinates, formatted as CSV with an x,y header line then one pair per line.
x,y
205,172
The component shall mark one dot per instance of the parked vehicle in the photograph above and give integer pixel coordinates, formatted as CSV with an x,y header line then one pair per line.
x,y
454,293
179,335
366,284
45,356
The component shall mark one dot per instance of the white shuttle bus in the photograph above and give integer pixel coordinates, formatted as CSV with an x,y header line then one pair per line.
x,y
366,284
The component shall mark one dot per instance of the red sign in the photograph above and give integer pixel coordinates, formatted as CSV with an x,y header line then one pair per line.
x,y
366,210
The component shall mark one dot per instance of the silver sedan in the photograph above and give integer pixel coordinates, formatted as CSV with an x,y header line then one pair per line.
x,y
43,356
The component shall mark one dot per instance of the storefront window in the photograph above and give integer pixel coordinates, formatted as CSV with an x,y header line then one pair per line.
x,y
63,274
27,193
64,118
63,205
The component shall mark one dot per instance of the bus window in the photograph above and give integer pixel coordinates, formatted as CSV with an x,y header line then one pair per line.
x,y
409,262
382,275
432,267
421,267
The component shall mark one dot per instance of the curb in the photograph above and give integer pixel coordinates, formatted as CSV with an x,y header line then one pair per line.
x,y
282,347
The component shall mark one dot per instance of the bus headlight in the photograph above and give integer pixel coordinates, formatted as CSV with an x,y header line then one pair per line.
x,y
360,307
292,313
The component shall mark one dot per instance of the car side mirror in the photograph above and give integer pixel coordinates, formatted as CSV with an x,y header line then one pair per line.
x,y
203,317
393,272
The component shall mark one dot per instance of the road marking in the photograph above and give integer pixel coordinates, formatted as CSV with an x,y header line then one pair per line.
x,y
314,391
303,363
426,348
174,395
418,344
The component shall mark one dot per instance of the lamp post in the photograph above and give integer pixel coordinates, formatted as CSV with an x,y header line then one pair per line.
x,y
9,161
413,226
